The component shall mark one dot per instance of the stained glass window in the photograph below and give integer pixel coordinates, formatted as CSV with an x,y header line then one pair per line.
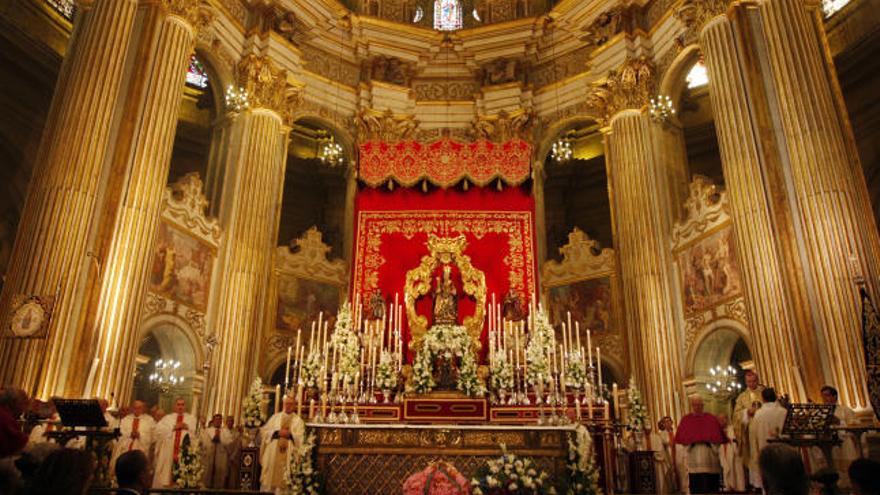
x,y
698,75
64,7
832,6
447,15
196,75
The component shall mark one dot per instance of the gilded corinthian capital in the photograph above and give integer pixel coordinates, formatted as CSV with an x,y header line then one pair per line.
x,y
694,14
629,86
267,86
193,12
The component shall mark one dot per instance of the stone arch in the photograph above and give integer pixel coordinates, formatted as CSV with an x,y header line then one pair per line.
x,y
343,135
552,132
220,76
176,340
673,83
722,335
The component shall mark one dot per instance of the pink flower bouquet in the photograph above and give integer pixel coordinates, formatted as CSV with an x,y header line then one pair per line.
x,y
439,478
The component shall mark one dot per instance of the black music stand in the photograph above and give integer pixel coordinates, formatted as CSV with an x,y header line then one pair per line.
x,y
810,425
84,418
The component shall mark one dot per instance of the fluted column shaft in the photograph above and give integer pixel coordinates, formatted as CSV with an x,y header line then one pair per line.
x,y
52,243
144,169
251,222
832,224
640,185
770,305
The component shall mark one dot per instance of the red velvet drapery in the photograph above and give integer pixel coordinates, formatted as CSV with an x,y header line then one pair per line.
x,y
392,229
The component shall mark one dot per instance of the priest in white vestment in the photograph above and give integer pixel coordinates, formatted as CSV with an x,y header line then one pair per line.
x,y
664,472
135,432
844,454
747,403
281,436
216,442
170,432
677,457
732,473
766,424
39,434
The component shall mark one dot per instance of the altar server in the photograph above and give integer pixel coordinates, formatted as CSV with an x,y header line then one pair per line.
x,y
766,424
732,473
281,436
170,432
216,442
234,452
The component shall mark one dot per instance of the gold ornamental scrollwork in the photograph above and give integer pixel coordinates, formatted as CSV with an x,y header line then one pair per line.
x,y
444,251
629,86
267,86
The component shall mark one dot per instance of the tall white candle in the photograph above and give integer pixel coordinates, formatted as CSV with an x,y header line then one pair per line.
x,y
599,364
287,369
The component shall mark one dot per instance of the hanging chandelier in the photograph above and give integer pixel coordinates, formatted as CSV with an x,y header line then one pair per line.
x,y
165,375
331,153
661,109
236,98
561,151
723,382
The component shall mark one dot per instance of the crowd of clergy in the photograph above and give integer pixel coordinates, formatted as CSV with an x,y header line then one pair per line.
x,y
160,437
706,453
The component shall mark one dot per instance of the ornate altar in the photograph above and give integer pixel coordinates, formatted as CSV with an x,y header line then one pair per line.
x,y
372,459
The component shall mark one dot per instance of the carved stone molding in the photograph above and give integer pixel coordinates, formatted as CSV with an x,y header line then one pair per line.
x,y
629,86
196,14
582,259
185,205
502,71
503,126
704,210
698,323
307,257
386,126
388,69
267,86
156,305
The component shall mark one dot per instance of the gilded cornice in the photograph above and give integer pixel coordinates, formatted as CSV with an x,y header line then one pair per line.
x,y
373,125
705,210
628,87
582,259
267,86
185,205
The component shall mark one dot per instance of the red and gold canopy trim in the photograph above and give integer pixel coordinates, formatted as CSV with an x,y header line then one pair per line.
x,y
445,162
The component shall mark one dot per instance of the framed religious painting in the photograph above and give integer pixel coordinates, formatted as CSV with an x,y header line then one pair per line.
x,y
182,266
710,274
589,302
29,317
306,287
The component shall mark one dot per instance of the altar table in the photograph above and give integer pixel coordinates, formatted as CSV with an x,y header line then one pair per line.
x,y
377,459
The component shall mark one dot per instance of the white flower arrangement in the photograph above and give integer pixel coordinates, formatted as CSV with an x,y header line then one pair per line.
x,y
583,478
448,342
347,345
511,474
301,477
187,471
311,371
541,338
501,373
575,370
386,372
252,408
638,415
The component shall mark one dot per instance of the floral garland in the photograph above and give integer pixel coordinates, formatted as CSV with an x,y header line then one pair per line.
x,y
509,474
448,341
311,371
439,477
301,477
386,372
501,373
541,338
253,415
347,345
187,469
637,413
583,473
576,371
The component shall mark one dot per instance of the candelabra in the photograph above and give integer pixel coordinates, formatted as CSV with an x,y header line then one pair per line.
x,y
331,153
561,150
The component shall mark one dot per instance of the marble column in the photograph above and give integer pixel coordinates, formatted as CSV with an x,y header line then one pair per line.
x,y
832,223
775,311
143,166
250,215
50,255
640,180
539,175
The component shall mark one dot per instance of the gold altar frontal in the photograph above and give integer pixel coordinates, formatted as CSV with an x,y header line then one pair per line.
x,y
378,459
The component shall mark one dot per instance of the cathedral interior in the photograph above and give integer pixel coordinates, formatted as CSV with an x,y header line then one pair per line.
x,y
196,194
